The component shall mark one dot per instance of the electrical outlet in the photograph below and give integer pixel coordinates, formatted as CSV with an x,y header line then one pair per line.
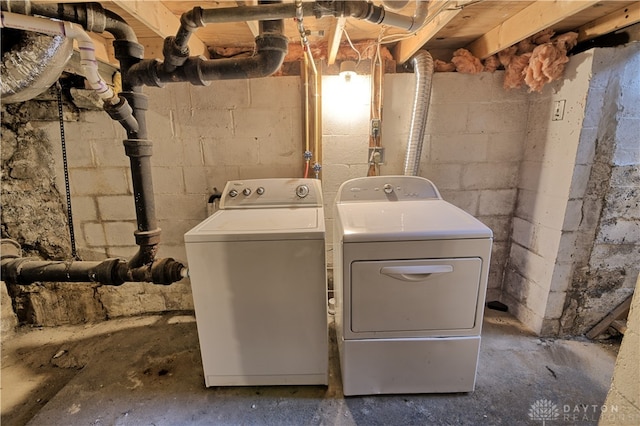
x,y
558,110
376,124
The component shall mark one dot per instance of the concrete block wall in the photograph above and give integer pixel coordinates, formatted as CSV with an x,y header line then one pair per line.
x,y
474,142
605,242
203,137
574,254
234,130
485,147
536,278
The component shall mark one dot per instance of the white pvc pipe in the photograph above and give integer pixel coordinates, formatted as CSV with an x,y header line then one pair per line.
x,y
88,61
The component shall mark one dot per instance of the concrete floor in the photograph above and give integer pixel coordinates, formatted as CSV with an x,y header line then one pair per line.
x,y
147,371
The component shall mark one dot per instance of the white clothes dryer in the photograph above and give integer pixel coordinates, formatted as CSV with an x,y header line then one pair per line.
x,y
410,275
258,277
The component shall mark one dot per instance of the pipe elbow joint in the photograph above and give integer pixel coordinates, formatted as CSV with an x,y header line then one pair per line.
x,y
192,19
174,55
272,48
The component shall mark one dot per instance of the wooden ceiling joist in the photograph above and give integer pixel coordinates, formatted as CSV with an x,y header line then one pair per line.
x,y
444,12
333,42
534,18
619,19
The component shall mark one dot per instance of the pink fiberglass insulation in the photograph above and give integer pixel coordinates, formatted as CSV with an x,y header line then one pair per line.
x,y
442,66
566,41
526,46
548,61
491,63
506,55
466,63
514,74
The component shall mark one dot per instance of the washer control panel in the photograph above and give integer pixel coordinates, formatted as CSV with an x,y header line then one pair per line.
x,y
276,192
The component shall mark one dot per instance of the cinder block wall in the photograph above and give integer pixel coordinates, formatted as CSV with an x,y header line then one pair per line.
x,y
472,149
604,245
530,287
575,251
250,129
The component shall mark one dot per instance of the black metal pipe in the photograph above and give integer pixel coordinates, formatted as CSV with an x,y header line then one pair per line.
x,y
90,15
262,12
118,27
130,111
198,71
26,270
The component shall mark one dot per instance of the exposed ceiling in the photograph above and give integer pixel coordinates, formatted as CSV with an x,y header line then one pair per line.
x,y
482,26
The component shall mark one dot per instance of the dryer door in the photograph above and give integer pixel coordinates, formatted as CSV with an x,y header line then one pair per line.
x,y
414,295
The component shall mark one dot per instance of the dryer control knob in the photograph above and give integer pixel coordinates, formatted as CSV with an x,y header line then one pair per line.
x,y
246,191
233,193
302,191
260,190
388,189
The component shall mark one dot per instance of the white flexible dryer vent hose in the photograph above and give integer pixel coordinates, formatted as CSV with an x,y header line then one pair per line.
x,y
88,61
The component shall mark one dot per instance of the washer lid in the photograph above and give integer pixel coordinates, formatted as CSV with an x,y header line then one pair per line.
x,y
260,224
407,220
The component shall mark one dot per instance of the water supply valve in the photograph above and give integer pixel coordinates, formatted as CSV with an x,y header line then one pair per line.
x,y
316,169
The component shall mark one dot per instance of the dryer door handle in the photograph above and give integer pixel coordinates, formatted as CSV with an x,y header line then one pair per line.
x,y
415,273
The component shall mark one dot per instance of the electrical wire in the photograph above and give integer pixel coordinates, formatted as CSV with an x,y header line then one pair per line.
x,y
346,35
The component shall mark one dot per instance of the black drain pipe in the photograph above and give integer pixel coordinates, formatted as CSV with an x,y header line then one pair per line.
x,y
271,45
271,48
26,270
131,113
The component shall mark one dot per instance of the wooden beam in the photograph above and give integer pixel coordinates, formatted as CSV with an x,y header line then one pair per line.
x,y
333,41
621,18
159,19
620,311
532,19
444,12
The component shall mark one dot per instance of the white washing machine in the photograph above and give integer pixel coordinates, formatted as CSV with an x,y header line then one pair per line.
x,y
410,275
258,278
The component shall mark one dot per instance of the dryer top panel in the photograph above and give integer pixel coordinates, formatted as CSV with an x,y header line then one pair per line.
x,y
407,221
387,188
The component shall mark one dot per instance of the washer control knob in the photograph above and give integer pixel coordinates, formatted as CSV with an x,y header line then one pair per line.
x,y
388,189
233,193
302,191
260,190
246,191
